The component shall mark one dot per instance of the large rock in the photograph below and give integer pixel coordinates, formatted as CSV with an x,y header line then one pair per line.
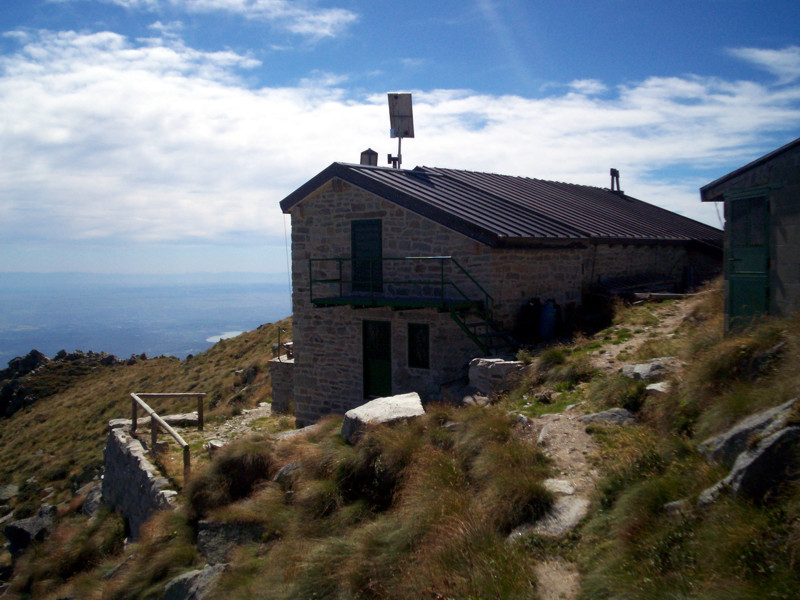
x,y
193,585
7,492
492,375
726,447
14,396
215,540
652,369
22,365
21,534
612,416
381,410
759,471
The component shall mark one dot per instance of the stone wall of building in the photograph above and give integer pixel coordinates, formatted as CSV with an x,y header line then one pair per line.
x,y
281,373
328,371
131,483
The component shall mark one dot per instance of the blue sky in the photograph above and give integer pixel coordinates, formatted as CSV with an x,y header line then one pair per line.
x,y
158,136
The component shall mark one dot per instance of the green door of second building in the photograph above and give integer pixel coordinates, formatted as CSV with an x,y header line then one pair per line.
x,y
748,258
377,356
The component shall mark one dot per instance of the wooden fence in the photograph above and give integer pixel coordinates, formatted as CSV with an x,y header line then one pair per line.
x,y
157,423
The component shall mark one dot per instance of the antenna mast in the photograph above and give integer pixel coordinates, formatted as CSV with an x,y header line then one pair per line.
x,y
401,121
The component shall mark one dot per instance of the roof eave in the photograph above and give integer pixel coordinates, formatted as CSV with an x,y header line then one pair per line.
x,y
390,194
714,191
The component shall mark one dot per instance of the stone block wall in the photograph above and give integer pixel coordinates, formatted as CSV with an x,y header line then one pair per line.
x,y
281,373
131,483
328,369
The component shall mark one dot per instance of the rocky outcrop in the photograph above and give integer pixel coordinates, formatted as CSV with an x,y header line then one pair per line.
x,y
727,446
215,540
380,410
22,365
14,395
656,368
493,375
21,534
761,470
131,484
612,416
193,585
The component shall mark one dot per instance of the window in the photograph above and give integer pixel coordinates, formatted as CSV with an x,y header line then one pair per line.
x,y
418,346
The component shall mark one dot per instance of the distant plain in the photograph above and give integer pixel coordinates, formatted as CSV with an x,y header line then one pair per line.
x,y
133,314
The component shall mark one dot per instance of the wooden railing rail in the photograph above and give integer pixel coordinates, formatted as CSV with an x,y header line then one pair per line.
x,y
157,422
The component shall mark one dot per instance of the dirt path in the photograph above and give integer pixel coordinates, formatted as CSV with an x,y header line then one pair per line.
x,y
563,438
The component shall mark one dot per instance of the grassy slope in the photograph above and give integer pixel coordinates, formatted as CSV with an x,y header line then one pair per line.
x,y
422,510
61,436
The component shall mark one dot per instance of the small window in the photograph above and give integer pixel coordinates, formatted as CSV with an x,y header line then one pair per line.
x,y
418,346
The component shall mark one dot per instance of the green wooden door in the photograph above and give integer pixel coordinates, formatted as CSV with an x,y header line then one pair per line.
x,y
748,258
377,354
367,252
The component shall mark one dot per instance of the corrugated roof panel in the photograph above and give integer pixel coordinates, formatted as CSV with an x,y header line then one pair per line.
x,y
598,212
491,207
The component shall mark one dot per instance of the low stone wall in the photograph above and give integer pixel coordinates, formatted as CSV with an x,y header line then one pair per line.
x,y
281,372
131,483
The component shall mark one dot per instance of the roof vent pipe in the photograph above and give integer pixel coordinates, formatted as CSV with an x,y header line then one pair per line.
x,y
369,157
615,181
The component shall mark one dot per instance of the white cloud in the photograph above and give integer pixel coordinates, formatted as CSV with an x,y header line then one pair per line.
x,y
588,86
299,17
111,140
784,64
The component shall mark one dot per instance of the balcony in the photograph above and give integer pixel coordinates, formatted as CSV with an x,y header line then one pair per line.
x,y
400,283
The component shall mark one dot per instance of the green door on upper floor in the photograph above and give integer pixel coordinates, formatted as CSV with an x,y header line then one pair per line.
x,y
377,357
748,257
367,254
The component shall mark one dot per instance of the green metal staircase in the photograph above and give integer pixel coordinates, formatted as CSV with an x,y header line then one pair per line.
x,y
476,322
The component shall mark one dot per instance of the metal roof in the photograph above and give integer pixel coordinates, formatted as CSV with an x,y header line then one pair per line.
x,y
508,210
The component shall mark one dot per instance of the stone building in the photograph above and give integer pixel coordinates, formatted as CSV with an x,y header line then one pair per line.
x,y
400,277
762,234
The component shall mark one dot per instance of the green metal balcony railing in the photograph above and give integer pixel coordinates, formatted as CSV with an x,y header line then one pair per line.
x,y
438,282
411,281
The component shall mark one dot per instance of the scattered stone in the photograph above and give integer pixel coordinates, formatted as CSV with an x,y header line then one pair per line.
x,y
293,433
215,540
544,397
21,534
564,516
559,486
7,492
285,476
759,471
726,447
657,389
193,585
652,369
523,421
381,410
612,416
475,400
93,502
214,446
492,375
566,513
678,507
